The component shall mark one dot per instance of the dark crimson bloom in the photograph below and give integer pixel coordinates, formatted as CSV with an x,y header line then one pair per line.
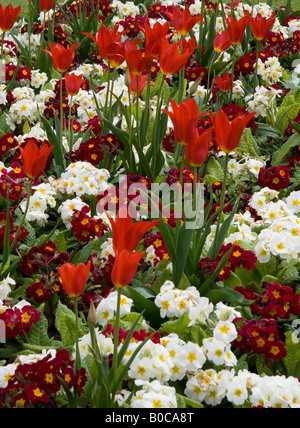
x,y
86,227
62,57
182,20
35,159
38,292
7,143
261,25
8,17
275,177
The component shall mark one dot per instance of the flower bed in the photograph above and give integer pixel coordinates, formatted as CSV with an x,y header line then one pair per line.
x,y
150,205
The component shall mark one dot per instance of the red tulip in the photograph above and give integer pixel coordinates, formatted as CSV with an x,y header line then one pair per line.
x,y
35,159
222,42
126,235
184,118
196,152
74,278
142,81
236,29
73,83
261,26
154,37
110,45
224,83
125,268
171,61
182,21
228,135
8,17
46,5
136,61
62,57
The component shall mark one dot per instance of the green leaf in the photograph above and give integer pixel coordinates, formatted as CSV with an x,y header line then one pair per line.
x,y
215,170
291,361
228,295
182,252
178,326
39,333
65,322
281,154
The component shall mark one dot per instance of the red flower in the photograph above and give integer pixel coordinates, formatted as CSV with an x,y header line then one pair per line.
x,y
196,152
136,61
142,82
224,83
62,57
236,29
276,351
73,83
228,134
275,177
125,267
261,26
46,5
154,37
184,118
36,394
182,21
35,159
222,42
38,292
110,45
127,235
8,17
171,61
74,278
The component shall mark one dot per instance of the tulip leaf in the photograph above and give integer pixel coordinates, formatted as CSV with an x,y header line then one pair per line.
x,y
228,295
65,321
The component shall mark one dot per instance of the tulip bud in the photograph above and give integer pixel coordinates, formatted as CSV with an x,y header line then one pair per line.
x,y
92,316
127,79
195,85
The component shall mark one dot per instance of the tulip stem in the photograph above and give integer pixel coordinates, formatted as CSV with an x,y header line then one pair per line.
x,y
23,218
2,63
221,202
137,112
155,127
69,124
195,206
256,81
116,336
107,92
61,111
178,206
232,73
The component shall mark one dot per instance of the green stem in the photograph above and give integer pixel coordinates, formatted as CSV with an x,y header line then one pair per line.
x,y
256,67
209,69
222,200
111,93
69,125
23,218
178,219
107,92
195,206
2,64
137,112
61,110
145,117
232,73
155,127
116,337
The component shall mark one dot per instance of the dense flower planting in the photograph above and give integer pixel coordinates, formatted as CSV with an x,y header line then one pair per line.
x,y
149,205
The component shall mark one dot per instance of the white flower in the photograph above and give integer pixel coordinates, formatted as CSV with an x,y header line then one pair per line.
x,y
6,373
5,288
237,392
225,332
293,202
107,307
154,395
